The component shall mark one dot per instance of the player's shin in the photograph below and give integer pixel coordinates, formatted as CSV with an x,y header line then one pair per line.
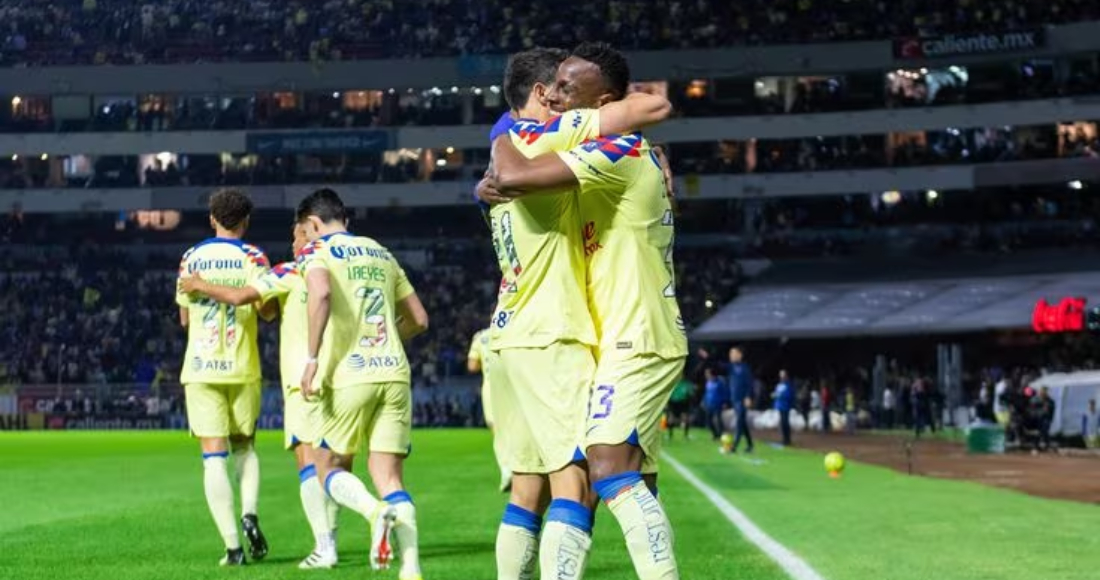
x,y
517,547
349,491
313,504
219,497
406,531
566,541
645,525
248,471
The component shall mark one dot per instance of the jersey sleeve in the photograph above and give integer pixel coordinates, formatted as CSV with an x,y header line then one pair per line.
x,y
403,288
310,257
594,163
273,283
584,124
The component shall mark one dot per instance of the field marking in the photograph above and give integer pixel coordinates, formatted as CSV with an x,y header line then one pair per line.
x,y
790,562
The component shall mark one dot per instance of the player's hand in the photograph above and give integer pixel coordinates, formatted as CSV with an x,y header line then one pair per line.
x,y
190,284
487,191
308,375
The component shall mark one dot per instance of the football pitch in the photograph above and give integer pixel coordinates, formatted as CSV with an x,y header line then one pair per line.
x,y
129,505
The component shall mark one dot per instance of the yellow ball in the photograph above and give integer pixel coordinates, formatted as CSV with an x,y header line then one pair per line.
x,y
834,462
727,441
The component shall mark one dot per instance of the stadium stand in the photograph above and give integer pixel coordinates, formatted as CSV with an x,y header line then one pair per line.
x,y
909,161
172,31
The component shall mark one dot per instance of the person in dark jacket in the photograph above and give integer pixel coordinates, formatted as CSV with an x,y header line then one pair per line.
x,y
741,383
784,400
805,403
716,398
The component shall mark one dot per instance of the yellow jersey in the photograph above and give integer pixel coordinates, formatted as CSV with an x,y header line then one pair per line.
x,y
221,339
361,344
283,283
537,243
479,346
628,236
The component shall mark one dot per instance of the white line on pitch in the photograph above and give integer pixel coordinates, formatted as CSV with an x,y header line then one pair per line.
x,y
791,563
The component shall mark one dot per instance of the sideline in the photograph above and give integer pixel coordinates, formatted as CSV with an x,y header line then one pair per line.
x,y
791,563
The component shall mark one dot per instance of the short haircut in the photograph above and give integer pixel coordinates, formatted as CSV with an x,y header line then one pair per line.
x,y
524,69
230,207
325,205
612,64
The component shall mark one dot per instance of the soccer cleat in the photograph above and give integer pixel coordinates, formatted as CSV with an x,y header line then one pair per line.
x,y
233,557
416,577
319,559
381,545
257,544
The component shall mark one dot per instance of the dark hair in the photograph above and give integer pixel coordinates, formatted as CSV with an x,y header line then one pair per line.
x,y
230,207
524,69
613,66
323,204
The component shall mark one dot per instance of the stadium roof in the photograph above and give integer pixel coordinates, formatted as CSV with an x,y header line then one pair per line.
x,y
939,306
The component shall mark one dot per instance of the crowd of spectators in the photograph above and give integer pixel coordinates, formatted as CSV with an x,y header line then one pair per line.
x,y
74,317
160,31
952,146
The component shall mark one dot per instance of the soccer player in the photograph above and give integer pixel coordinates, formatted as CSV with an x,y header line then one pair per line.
x,y
475,363
541,334
283,287
628,239
221,371
360,307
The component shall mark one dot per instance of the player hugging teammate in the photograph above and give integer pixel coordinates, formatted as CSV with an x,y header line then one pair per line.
x,y
345,306
583,349
586,342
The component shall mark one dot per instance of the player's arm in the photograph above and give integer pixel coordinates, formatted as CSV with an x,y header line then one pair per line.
x,y
185,317
318,307
634,113
225,294
473,357
516,175
412,318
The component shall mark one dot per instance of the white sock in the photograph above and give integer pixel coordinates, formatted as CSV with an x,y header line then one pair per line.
x,y
248,470
645,525
566,540
219,497
313,504
563,552
350,492
517,546
333,510
406,533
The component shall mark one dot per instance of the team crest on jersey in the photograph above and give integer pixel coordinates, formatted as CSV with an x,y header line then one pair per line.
x,y
615,147
530,131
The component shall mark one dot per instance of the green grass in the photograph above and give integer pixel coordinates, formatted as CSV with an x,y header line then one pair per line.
x,y
122,506
874,523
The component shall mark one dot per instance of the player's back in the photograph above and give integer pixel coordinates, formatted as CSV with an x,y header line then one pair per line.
x,y
537,242
361,344
221,338
628,236
285,283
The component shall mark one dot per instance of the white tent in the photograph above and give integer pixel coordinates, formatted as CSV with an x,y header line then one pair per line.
x,y
1071,393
